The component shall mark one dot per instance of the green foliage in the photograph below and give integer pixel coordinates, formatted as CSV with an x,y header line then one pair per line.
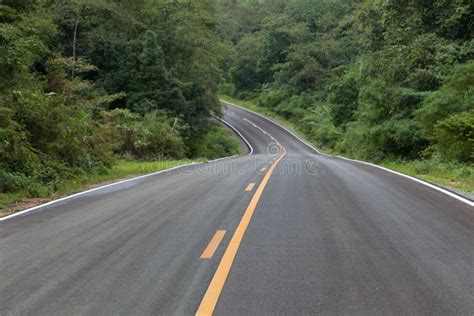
x,y
21,44
45,140
86,82
164,55
151,137
438,170
454,136
219,142
15,150
244,72
343,94
446,115
456,95
372,79
80,181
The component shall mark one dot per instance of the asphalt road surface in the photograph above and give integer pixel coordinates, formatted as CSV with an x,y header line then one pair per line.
x,y
284,230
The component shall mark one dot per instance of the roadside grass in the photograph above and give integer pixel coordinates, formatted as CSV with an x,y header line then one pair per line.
x,y
7,199
452,175
123,169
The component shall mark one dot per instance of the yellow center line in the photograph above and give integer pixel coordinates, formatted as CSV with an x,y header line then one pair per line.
x,y
214,290
213,244
250,187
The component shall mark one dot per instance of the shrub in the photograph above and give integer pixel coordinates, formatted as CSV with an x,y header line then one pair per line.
x,y
455,95
446,116
150,137
454,136
219,142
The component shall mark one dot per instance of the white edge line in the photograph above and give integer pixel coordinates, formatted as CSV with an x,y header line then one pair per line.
x,y
454,195
128,180
123,181
447,192
279,125
95,189
238,133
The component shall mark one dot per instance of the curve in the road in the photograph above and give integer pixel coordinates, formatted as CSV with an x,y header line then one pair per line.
x,y
328,236
428,184
214,290
72,196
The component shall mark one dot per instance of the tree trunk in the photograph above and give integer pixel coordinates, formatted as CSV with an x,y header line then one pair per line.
x,y
74,41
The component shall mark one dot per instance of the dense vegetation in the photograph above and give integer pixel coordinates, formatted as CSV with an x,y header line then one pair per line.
x,y
378,80
85,83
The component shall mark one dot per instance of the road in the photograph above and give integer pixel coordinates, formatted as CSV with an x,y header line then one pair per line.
x,y
299,233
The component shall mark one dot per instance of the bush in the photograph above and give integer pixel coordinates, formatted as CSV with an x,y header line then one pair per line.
x,y
219,142
454,136
226,89
343,95
16,152
456,95
61,132
447,118
11,181
43,141
271,99
151,137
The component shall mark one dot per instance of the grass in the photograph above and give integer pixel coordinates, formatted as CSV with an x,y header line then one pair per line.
x,y
7,199
456,176
121,170
453,175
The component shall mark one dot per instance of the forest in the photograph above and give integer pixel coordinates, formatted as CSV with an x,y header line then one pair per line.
x,y
387,81
86,85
